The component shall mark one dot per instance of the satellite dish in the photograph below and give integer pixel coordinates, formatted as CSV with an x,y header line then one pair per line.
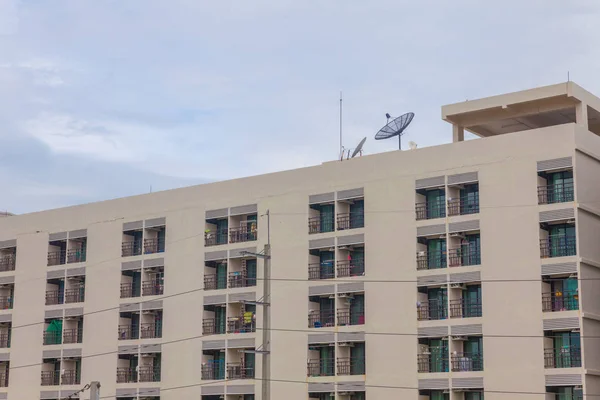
x,y
395,128
412,145
359,147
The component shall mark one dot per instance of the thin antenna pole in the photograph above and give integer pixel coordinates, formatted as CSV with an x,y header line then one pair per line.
x,y
341,145
568,76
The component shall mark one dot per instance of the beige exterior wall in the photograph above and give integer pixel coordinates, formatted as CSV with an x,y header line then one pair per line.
x,y
509,225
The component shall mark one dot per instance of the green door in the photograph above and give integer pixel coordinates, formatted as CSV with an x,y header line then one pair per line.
x,y
567,349
562,240
469,199
221,231
472,301
357,310
439,355
357,214
436,207
249,364
251,272
474,396
326,218
357,263
439,395
437,299
571,294
251,226
560,187
326,260
220,320
357,359
471,250
436,253
136,284
327,359
221,276
474,352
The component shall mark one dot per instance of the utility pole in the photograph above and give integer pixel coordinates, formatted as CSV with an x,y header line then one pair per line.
x,y
95,390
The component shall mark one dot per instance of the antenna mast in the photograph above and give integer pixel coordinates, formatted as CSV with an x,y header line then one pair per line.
x,y
341,145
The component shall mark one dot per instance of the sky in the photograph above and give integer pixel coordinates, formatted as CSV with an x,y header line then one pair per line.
x,y
109,98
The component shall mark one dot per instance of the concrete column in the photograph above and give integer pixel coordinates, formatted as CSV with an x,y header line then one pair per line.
x,y
581,115
458,133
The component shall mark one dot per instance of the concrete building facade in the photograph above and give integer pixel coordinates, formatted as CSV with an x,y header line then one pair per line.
x,y
454,272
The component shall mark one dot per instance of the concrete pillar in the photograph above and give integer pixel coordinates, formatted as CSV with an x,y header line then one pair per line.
x,y
581,115
458,133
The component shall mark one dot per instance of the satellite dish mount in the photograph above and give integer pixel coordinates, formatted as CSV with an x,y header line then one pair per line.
x,y
395,128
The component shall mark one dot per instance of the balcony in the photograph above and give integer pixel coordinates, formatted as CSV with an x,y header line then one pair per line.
x,y
240,279
76,256
431,209
215,237
71,336
149,373
463,206
4,340
321,224
75,295
54,297
210,327
560,301
351,366
347,268
128,332
50,378
322,367
70,377
464,256
467,362
57,257
7,262
239,371
556,193
241,324
465,308
431,260
52,337
323,318
6,302
558,246
127,290
432,310
214,370
126,375
4,379
129,249
152,246
242,234
152,288
564,357
430,363
348,317
321,270
151,331
214,282
351,220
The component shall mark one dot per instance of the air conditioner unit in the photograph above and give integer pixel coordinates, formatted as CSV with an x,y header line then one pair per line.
x,y
459,338
458,286
148,355
346,296
148,312
421,253
457,235
346,344
72,318
75,278
344,247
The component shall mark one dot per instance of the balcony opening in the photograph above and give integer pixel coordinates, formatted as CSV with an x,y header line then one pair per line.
x,y
352,395
558,239
240,364
465,300
321,311
57,252
564,392
465,249
53,328
151,324
72,330
215,275
463,199
5,334
242,272
431,252
560,293
149,369
50,372
216,231
472,394
131,283
562,349
321,396
243,228
214,320
154,239
127,368
467,353
153,281
556,186
70,373
351,309
351,260
8,259
434,395
433,355
77,250
55,291
321,263
351,358
430,203
129,326
7,295
4,368
213,364
351,214
321,218
242,318
432,303
132,243
75,289
321,359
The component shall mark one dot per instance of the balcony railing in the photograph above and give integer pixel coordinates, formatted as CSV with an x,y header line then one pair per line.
x,y
4,340
211,327
348,317
464,205
239,371
7,263
560,301
556,193
126,375
214,282
6,302
435,362
128,290
351,366
128,332
57,257
75,295
76,256
151,330
155,245
241,324
52,337
321,224
346,268
243,233
129,249
240,279
564,357
558,246
464,256
215,237
322,270
214,370
4,379
152,288
432,310
323,318
431,209
70,377
322,367
465,362
50,378
465,308
149,373
351,220
71,336
54,297
431,260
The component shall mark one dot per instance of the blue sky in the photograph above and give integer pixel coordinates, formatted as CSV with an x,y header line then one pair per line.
x,y
102,99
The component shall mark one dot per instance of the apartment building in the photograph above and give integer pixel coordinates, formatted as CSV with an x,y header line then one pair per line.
x,y
451,272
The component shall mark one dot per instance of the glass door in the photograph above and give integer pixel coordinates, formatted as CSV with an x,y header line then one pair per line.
x,y
436,253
